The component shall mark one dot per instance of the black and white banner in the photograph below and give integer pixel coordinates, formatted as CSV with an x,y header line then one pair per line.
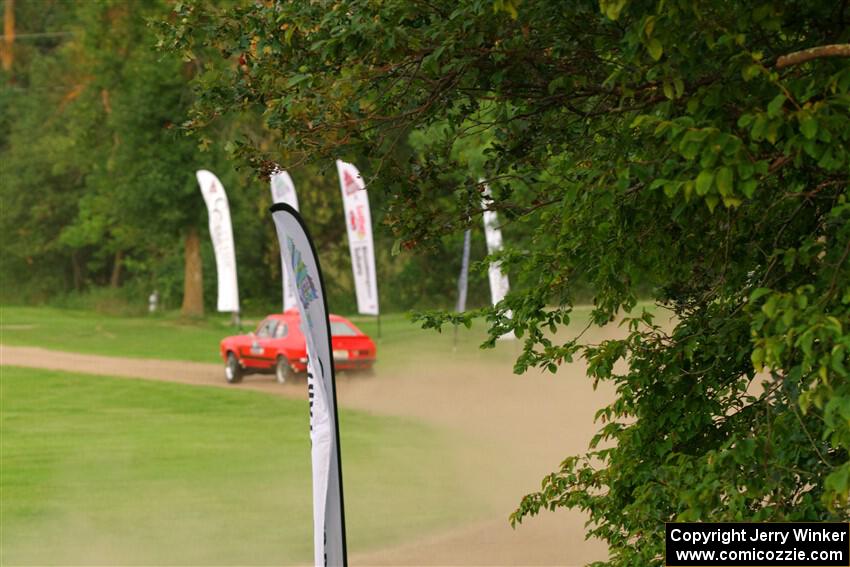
x,y
283,191
299,256
221,232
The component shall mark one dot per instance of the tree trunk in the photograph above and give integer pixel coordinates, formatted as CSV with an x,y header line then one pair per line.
x,y
8,35
193,288
115,280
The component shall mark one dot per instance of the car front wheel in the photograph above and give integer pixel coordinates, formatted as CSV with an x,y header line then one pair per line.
x,y
232,370
282,370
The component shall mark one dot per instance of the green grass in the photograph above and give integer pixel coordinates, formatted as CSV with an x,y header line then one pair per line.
x,y
172,338
114,471
93,333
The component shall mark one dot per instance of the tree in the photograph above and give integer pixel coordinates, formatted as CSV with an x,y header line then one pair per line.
x,y
38,93
98,184
142,171
636,143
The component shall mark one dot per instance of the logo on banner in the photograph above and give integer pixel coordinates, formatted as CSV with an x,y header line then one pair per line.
x,y
349,183
303,282
357,220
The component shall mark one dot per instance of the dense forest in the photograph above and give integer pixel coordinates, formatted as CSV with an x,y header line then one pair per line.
x,y
100,205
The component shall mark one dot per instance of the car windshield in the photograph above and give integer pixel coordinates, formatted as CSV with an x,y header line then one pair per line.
x,y
340,329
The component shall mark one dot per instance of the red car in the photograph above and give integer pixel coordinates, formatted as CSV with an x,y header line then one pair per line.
x,y
278,346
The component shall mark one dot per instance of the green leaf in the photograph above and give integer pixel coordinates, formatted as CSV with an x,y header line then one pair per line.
x,y
757,358
769,307
745,120
775,106
837,360
724,181
704,180
758,293
695,135
759,127
639,119
751,71
809,126
748,187
612,8
295,79
690,150
772,131
649,26
839,481
655,49
805,401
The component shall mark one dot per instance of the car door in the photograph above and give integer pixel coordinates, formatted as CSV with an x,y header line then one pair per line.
x,y
265,338
258,350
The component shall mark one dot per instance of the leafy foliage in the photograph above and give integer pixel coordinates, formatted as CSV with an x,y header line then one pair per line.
x,y
628,143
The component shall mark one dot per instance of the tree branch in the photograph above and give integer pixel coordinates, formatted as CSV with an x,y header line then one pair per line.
x,y
836,50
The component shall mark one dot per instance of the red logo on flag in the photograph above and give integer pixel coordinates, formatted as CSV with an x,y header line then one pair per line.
x,y
349,183
357,220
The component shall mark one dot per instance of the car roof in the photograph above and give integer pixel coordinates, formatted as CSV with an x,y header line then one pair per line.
x,y
293,314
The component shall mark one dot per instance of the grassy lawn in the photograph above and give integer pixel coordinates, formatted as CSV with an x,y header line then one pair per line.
x,y
115,471
169,337
92,333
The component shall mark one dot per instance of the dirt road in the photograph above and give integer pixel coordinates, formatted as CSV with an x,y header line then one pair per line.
x,y
516,429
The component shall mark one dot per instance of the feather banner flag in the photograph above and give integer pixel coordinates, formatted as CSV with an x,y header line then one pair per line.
x,y
221,232
299,255
463,279
499,285
358,221
283,191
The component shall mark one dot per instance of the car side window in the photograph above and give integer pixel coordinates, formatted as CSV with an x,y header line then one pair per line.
x,y
281,331
266,330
